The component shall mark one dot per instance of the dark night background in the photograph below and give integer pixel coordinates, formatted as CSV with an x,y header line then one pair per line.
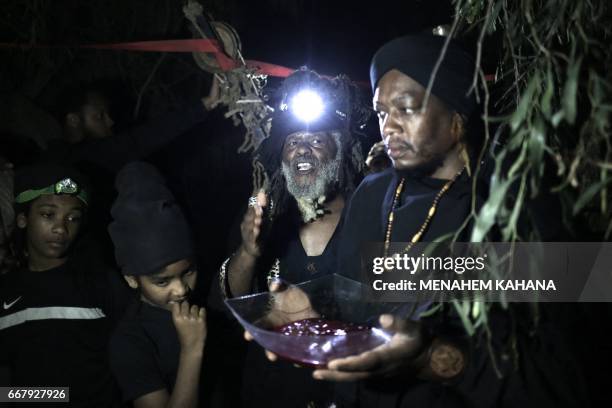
x,y
209,177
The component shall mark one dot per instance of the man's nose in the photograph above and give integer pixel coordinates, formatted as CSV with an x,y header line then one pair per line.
x,y
390,127
303,148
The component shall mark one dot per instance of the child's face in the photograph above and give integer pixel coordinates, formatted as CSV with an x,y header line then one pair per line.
x,y
171,285
52,224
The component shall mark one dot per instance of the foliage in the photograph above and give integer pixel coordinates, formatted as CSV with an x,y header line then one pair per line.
x,y
555,115
552,113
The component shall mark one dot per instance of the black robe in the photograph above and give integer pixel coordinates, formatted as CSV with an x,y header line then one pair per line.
x,y
545,373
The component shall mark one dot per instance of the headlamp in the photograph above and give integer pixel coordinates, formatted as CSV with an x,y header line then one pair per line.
x,y
306,105
64,186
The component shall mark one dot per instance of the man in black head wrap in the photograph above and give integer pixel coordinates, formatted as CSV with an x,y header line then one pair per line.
x,y
426,195
156,351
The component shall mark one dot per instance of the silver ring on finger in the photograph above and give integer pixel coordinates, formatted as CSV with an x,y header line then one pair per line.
x,y
253,201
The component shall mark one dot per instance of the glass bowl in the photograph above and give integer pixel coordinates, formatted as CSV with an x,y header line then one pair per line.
x,y
352,323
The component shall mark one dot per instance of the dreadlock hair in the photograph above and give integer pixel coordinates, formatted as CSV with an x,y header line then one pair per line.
x,y
345,123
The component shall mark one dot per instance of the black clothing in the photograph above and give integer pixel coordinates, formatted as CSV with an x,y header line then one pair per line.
x,y
295,265
280,384
538,379
367,213
54,330
144,351
149,230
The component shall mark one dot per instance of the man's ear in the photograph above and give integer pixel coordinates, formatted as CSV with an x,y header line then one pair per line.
x,y
73,120
21,221
457,127
131,280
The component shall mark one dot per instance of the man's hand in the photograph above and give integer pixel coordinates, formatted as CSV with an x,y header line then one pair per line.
x,y
250,228
190,324
398,354
289,304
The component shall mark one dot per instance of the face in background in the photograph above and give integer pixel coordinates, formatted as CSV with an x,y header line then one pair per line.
x,y
52,224
415,138
172,284
310,163
93,120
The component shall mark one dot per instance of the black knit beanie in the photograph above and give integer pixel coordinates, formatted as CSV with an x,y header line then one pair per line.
x,y
148,230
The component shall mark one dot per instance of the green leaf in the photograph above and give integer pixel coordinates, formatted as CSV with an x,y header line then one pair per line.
x,y
548,93
518,117
486,217
558,117
537,143
570,91
588,195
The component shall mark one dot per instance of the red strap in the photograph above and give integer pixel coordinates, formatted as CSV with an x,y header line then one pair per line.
x,y
186,45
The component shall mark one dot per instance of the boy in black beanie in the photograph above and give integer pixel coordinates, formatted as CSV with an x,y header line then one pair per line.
x,y
156,351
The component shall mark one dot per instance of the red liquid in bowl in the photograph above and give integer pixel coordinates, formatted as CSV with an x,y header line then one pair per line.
x,y
316,341
319,327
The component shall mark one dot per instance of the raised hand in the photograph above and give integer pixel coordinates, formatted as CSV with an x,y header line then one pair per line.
x,y
250,228
190,324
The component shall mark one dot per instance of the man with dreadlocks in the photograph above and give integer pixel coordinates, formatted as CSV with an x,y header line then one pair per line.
x,y
312,163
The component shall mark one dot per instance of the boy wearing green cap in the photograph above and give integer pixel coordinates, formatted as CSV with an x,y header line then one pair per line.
x,y
57,306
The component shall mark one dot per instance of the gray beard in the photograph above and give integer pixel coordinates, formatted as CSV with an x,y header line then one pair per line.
x,y
327,174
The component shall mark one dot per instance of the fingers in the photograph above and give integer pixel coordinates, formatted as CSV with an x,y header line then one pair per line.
x,y
185,311
409,328
271,356
262,199
176,311
277,285
339,376
368,361
248,336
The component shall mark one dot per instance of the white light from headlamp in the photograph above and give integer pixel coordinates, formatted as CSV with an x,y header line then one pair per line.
x,y
307,105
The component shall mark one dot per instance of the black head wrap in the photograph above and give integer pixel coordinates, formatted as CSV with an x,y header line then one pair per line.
x,y
416,57
148,230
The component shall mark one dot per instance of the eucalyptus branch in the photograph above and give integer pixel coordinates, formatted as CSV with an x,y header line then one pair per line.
x,y
485,25
434,72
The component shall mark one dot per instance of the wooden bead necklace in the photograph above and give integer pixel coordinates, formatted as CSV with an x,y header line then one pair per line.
x,y
432,210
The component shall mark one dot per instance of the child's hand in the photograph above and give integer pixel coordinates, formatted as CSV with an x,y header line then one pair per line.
x,y
190,324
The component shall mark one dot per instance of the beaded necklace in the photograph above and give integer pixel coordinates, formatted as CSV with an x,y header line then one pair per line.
x,y
432,210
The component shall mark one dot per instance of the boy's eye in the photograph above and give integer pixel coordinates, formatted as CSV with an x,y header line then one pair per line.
x,y
46,214
74,218
190,272
161,283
